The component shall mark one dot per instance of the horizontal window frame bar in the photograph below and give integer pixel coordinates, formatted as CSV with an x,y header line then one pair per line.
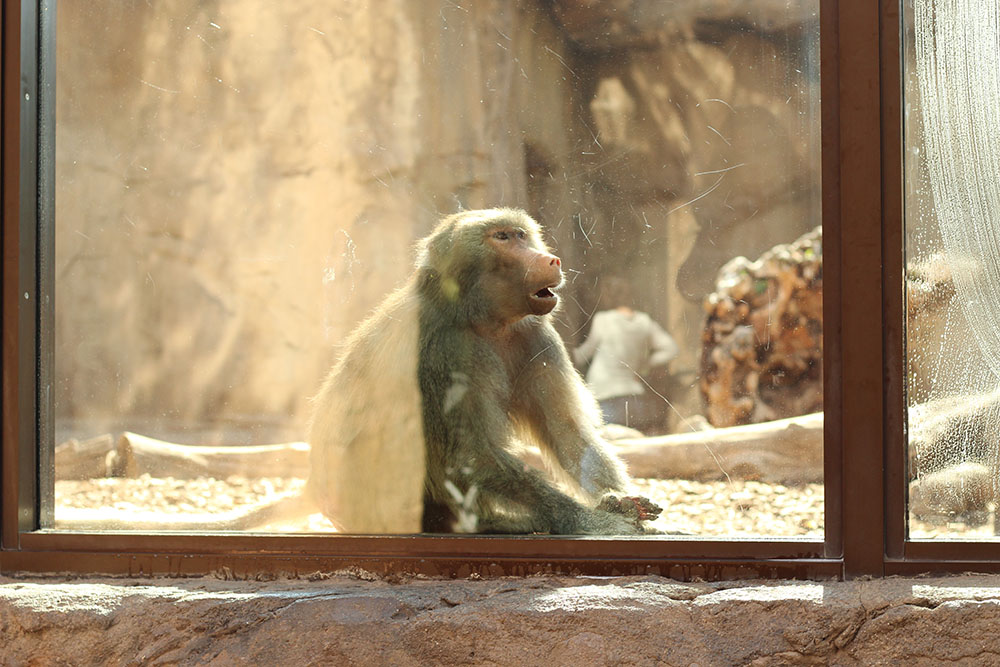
x,y
949,566
250,566
945,549
491,546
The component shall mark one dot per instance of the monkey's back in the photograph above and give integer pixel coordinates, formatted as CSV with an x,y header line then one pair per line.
x,y
368,460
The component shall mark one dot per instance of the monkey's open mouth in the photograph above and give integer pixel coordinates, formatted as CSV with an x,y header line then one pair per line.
x,y
543,301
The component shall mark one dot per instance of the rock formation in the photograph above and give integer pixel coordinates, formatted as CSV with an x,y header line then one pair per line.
x,y
238,182
762,351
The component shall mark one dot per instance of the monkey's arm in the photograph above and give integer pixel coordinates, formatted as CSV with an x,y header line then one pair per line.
x,y
561,417
539,507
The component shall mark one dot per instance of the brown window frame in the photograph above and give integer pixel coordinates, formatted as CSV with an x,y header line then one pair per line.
x,y
863,371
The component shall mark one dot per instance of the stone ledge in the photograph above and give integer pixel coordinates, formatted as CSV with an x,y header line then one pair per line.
x,y
544,620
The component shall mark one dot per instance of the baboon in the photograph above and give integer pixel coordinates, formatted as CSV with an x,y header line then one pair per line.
x,y
416,425
415,428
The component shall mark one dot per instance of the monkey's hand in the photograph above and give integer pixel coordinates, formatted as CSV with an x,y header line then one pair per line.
x,y
634,508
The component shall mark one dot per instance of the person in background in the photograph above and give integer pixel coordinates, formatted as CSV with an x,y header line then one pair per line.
x,y
624,344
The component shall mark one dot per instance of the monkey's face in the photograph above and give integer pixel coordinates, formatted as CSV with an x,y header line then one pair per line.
x,y
495,261
528,274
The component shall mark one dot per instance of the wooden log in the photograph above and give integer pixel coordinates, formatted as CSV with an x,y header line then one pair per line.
x,y
137,454
85,459
786,451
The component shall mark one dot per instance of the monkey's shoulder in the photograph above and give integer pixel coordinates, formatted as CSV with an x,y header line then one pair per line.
x,y
385,341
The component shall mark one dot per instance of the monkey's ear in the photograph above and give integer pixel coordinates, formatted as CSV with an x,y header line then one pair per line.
x,y
423,253
428,252
433,249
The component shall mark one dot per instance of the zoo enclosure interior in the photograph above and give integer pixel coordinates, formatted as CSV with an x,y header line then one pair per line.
x,y
655,178
844,358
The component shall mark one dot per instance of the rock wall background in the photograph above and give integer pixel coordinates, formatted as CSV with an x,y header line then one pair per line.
x,y
240,182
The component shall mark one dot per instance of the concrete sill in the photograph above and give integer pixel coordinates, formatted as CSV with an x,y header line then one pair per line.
x,y
545,620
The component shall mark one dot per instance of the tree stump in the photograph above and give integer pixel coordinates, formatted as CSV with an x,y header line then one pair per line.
x,y
762,345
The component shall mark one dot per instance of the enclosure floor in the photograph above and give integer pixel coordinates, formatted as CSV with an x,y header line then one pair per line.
x,y
734,508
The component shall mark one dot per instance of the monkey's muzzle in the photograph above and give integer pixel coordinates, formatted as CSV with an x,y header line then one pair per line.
x,y
544,300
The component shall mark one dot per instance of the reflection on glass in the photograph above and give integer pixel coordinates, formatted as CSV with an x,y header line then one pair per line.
x,y
240,183
952,94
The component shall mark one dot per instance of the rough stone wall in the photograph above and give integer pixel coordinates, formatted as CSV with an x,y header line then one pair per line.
x,y
239,183
707,119
534,621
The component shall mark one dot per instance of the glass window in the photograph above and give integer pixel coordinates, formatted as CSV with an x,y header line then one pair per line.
x,y
952,270
239,185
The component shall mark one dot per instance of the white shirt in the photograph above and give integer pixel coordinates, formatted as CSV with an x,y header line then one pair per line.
x,y
623,346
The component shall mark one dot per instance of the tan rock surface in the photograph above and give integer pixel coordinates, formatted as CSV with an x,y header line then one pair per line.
x,y
240,182
533,621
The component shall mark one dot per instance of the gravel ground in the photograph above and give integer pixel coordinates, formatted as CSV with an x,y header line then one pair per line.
x,y
711,509
736,509
170,495
125,498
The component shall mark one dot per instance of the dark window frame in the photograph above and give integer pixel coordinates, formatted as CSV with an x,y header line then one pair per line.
x,y
863,369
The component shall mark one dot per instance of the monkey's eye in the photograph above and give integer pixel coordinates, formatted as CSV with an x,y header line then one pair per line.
x,y
521,234
501,235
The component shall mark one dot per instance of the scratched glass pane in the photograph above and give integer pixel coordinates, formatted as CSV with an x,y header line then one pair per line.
x,y
952,94
546,267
